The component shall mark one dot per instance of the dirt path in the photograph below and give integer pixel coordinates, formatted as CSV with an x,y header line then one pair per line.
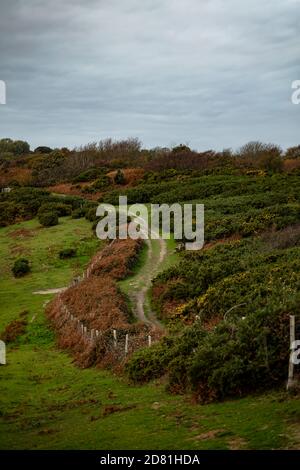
x,y
141,283
138,285
50,291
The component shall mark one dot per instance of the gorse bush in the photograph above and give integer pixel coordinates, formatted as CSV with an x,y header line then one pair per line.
x,y
21,267
67,253
102,183
48,219
78,213
90,214
25,203
61,209
89,175
232,359
235,300
119,177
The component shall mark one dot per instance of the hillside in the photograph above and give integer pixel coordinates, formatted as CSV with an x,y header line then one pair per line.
x,y
218,318
50,403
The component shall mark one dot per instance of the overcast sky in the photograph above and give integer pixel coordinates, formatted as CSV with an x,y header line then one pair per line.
x,y
210,73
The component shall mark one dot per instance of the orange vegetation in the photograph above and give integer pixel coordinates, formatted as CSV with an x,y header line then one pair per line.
x,y
21,175
72,189
291,164
132,175
97,304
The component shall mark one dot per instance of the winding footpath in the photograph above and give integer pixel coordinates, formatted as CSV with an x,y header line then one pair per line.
x,y
140,283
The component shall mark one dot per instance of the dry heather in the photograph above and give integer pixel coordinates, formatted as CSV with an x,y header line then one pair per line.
x,y
132,176
85,315
116,260
71,189
15,328
19,175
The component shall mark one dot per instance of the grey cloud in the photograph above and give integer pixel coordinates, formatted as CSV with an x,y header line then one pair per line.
x,y
214,73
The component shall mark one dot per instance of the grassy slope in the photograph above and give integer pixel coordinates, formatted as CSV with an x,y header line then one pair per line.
x,y
47,402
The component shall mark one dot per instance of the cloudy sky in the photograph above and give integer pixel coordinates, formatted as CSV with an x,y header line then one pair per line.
x,y
210,73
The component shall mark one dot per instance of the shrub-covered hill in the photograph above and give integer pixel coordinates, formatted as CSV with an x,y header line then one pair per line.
x,y
227,307
234,301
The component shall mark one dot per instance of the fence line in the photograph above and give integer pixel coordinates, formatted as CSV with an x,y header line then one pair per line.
x,y
93,335
294,373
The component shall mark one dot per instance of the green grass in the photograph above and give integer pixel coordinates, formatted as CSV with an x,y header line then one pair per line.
x,y
41,248
49,403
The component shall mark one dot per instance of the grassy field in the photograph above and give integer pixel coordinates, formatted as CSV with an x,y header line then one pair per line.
x,y
49,403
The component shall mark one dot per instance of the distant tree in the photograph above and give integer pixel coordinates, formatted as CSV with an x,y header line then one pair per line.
x,y
271,161
6,145
261,155
16,147
292,152
181,149
253,150
21,147
65,151
227,153
43,149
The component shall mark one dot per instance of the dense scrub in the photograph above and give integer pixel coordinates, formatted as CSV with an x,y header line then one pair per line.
x,y
234,205
25,203
235,300
234,297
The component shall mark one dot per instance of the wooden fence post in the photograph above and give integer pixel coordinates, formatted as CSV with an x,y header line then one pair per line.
x,y
126,344
2,353
149,341
291,381
115,338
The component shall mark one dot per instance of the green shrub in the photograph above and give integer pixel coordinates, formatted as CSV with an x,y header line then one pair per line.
x,y
60,208
24,203
89,175
249,355
48,219
102,183
119,178
150,363
21,267
78,213
43,150
91,215
89,190
67,253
